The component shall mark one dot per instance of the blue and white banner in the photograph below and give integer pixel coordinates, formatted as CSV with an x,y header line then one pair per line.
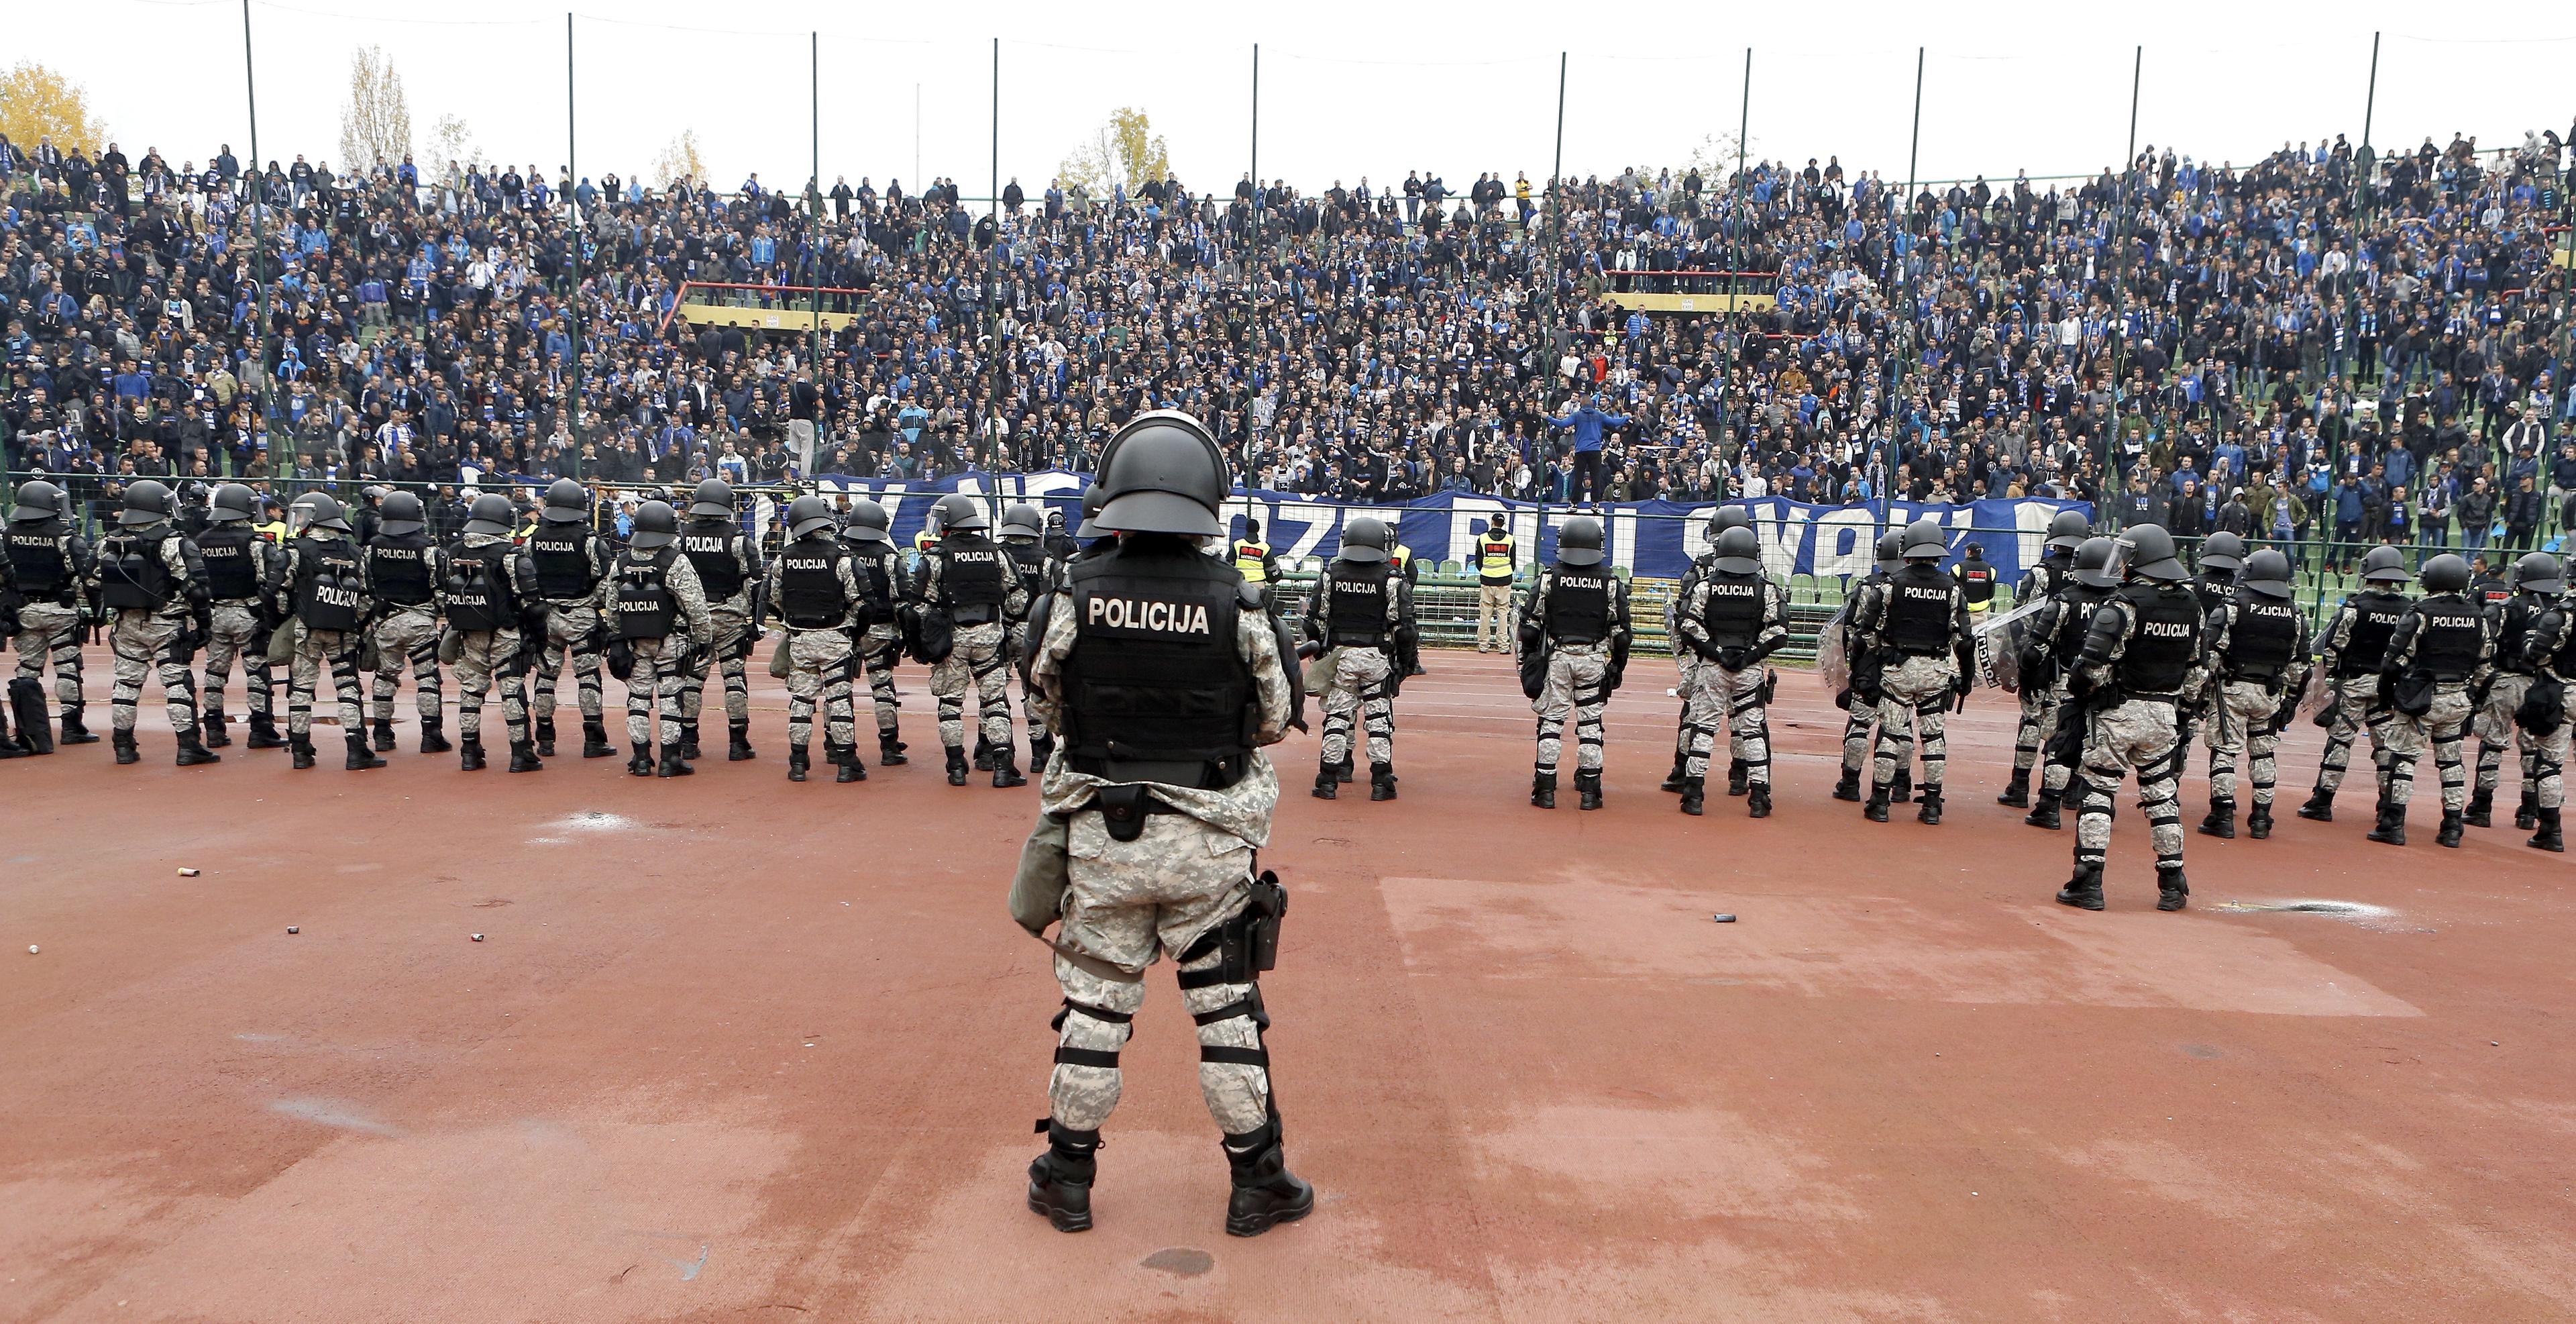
x,y
1654,539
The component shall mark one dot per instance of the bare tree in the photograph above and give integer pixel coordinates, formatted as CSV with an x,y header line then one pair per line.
x,y
1124,150
375,122
680,160
451,145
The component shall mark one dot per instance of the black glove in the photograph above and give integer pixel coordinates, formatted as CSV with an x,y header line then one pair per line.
x,y
1731,659
1843,698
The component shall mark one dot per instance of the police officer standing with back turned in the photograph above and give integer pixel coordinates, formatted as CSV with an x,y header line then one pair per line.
x,y
571,562
968,579
1686,661
1163,680
1917,622
1362,613
2142,653
324,592
1022,529
489,596
1498,557
2351,648
243,572
2548,712
2535,583
656,613
1859,698
153,580
2441,647
2055,640
1577,613
1735,618
50,561
2258,646
727,562
2222,559
2040,694
403,570
878,563
814,587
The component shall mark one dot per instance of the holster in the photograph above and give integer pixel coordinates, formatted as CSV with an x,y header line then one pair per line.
x,y
451,646
1123,809
2543,707
1247,943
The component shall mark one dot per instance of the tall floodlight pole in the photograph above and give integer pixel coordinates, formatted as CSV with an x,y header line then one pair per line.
x,y
1252,277
1896,289
1555,218
2120,265
572,236
1734,264
814,219
258,386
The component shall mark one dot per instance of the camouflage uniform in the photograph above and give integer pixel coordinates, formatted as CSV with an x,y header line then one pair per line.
x,y
486,656
318,650
879,643
818,662
2550,651
2245,712
1733,698
658,673
2441,727
2355,682
726,652
50,625
1580,677
977,657
1915,688
2140,731
409,632
572,629
1360,686
238,628
2039,704
146,641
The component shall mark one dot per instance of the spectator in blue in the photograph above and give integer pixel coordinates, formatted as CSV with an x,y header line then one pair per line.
x,y
2350,507
1588,419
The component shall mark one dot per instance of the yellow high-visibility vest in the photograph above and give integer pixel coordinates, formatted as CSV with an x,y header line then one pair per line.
x,y
1250,560
1494,557
273,530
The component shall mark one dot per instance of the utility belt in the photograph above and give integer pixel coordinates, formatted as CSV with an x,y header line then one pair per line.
x,y
2265,676
1196,774
974,615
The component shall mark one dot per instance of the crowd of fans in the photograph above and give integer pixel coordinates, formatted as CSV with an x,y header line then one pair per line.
x,y
2318,348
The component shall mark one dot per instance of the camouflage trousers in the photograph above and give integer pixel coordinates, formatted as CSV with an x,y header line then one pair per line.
x,y
1686,662
2240,727
2139,734
1577,687
2038,723
233,632
570,630
1357,692
2550,756
2496,732
2355,700
484,658
879,648
1127,901
726,656
655,683
407,634
977,657
1015,641
2440,729
145,643
50,631
1914,697
2056,773
1730,701
316,650
818,663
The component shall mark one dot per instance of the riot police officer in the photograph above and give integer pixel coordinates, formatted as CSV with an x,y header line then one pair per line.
x,y
1361,611
1577,618
1021,531
324,591
2534,579
403,570
243,571
2548,711
814,587
2055,569
571,562
878,563
1859,698
2258,645
1735,617
490,598
968,581
152,578
1060,545
656,613
1163,680
2222,559
727,562
1918,624
2351,648
2443,644
2142,653
2049,653
50,561
1686,661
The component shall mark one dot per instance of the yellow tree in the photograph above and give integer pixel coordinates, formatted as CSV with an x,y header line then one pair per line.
x,y
680,160
375,122
1124,150
36,103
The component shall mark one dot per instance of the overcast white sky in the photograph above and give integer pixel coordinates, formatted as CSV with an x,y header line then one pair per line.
x,y
1347,89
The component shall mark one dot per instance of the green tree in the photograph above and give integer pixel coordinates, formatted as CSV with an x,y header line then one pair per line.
x,y
1124,150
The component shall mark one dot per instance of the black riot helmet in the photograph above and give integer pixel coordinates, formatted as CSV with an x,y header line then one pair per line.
x,y
2539,572
656,526
567,502
146,502
1727,517
1924,541
1021,521
2223,551
1055,519
2147,551
808,514
869,522
1093,498
402,513
1891,549
2383,565
2267,572
2097,563
1365,539
2067,530
37,500
713,499
1739,552
317,510
958,513
2446,573
1164,475
491,514
1578,541
235,503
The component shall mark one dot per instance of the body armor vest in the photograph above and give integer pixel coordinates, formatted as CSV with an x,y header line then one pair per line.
x,y
1733,616
645,607
972,579
132,575
2375,614
1155,690
1918,611
1357,593
398,569
327,584
40,557
2448,631
709,545
1578,605
2260,638
565,565
809,585
231,553
1977,583
2513,631
479,596
2167,641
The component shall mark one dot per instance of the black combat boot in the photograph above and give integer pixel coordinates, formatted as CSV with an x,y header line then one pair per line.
x,y
1587,789
11,747
890,750
2084,890
1041,750
210,728
2320,806
1694,796
1737,777
2017,791
300,748
433,735
1930,813
2258,824
2547,837
2481,810
1060,1179
983,754
738,742
123,743
263,732
1903,790
523,757
1328,785
956,766
2391,830
75,731
469,754
2451,831
1757,802
2173,891
1266,1194
1674,780
594,739
1342,771
1876,810
360,757
193,751
1381,781
2220,822
847,756
545,737
2044,813
384,733
641,765
798,763
1543,790
675,761
688,744
2527,814
1847,786
1006,767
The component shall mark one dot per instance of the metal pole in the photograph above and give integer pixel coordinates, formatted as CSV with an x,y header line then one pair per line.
x,y
258,246
1734,263
572,203
814,191
996,199
2120,264
1913,157
994,356
2364,166
1555,220
1251,278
